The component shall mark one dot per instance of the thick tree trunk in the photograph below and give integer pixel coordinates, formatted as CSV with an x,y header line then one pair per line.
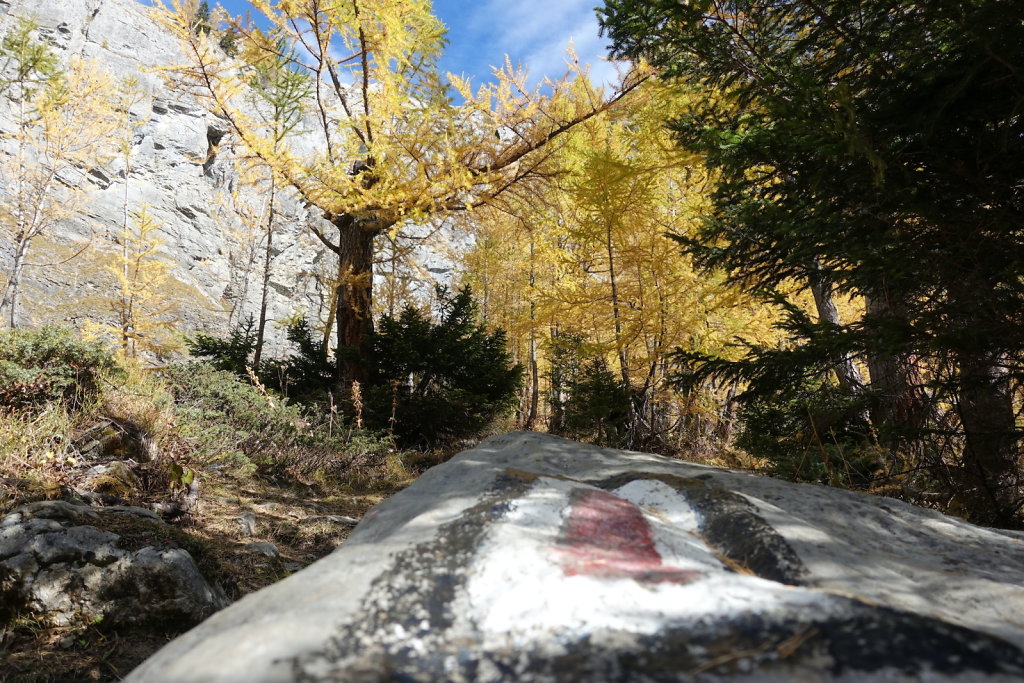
x,y
354,305
901,404
985,407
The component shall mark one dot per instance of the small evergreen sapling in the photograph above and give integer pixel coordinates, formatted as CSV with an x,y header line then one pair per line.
x,y
439,380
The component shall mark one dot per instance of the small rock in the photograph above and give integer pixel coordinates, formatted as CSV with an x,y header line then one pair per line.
x,y
66,642
263,548
247,520
334,519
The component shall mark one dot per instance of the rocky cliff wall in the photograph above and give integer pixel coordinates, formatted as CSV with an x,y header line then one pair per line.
x,y
182,168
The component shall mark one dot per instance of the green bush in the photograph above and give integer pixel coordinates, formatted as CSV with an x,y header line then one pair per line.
x,y
588,401
232,354
304,374
812,433
224,416
226,419
432,383
40,366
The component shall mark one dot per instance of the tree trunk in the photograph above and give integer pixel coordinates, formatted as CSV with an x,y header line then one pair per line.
x,y
531,416
261,329
10,298
901,405
354,305
985,407
850,380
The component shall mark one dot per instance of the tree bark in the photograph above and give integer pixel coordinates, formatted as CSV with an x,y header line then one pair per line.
x,y
261,328
901,405
985,407
850,379
10,297
531,416
354,304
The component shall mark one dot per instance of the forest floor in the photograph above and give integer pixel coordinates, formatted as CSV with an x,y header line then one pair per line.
x,y
303,522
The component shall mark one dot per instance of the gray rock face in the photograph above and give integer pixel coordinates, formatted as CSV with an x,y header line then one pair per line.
x,y
61,562
181,167
533,558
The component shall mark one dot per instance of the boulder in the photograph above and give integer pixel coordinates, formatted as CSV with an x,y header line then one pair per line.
x,y
533,558
70,565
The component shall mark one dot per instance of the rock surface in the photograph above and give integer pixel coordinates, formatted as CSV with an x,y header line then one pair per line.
x,y
183,169
532,558
72,564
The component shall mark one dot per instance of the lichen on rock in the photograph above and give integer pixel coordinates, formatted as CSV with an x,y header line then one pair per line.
x,y
533,558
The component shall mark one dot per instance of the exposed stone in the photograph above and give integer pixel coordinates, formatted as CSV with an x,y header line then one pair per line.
x,y
114,478
247,522
532,558
340,520
72,564
263,548
182,168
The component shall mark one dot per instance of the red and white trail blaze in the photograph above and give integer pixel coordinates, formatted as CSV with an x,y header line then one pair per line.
x,y
607,537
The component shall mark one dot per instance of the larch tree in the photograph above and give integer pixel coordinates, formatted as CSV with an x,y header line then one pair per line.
x,y
144,314
64,122
585,256
281,93
394,147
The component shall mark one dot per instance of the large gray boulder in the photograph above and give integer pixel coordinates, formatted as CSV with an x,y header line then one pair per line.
x,y
533,558
69,564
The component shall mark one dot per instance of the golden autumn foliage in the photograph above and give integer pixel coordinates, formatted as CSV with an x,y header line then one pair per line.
x,y
144,315
396,141
588,253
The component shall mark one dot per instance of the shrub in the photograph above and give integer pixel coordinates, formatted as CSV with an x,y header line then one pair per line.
x,y
305,373
40,366
435,382
231,354
588,401
226,418
812,433
223,418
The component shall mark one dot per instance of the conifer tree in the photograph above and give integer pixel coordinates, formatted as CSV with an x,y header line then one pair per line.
x,y
875,145
144,312
585,256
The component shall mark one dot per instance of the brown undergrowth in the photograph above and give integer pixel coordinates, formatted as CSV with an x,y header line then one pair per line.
x,y
78,424
294,517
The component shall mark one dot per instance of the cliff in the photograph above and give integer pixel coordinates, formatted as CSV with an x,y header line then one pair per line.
x,y
182,167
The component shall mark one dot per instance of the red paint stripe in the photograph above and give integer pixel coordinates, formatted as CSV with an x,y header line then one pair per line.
x,y
608,537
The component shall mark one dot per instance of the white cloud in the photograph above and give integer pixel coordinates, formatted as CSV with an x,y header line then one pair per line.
x,y
537,33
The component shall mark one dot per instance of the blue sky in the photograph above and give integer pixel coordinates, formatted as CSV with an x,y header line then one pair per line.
x,y
533,32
